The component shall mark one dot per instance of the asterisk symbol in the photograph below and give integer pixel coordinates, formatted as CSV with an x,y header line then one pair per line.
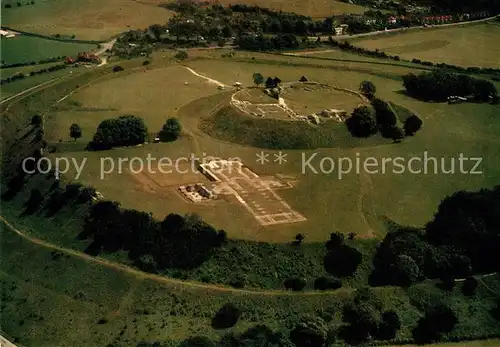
x,y
262,157
280,158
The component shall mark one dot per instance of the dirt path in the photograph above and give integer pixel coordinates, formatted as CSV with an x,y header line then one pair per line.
x,y
6,343
211,80
158,278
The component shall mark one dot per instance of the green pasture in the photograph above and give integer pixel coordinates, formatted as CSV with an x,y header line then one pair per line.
x,y
25,49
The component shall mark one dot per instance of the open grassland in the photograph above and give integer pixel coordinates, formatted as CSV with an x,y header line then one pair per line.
x,y
152,94
320,97
26,49
87,20
474,45
355,202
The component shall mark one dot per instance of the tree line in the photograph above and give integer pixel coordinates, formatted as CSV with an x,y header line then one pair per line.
x,y
438,85
43,61
462,239
179,242
380,116
128,130
347,46
20,76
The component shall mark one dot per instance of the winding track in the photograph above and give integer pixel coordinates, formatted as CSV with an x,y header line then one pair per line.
x,y
158,278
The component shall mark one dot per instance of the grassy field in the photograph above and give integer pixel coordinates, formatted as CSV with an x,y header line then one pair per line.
x,y
26,49
87,20
356,203
477,42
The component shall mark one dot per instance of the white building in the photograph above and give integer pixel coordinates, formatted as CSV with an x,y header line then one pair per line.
x,y
7,34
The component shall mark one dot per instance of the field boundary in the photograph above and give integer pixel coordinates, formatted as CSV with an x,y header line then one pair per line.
x,y
40,36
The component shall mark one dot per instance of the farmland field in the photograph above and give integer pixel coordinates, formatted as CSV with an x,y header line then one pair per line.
x,y
26,49
477,44
87,20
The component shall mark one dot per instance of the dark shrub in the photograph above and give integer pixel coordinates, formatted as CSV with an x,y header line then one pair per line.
x,y
226,317
295,284
325,283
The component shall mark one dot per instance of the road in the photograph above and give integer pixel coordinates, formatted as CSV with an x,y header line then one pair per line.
x,y
381,32
211,80
101,52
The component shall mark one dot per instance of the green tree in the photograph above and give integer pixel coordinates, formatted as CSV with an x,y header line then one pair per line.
x,y
436,322
384,114
407,270
258,79
469,287
75,132
157,30
368,89
363,321
122,131
342,261
171,130
336,240
389,326
396,133
226,317
310,331
412,125
227,31
34,201
484,90
299,238
36,120
181,55
362,122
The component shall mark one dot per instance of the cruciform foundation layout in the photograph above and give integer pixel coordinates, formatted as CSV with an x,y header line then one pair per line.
x,y
256,194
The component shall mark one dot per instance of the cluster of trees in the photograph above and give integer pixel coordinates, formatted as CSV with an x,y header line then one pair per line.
x,y
177,242
19,4
341,260
43,61
171,130
122,131
438,86
366,121
462,239
265,43
217,21
366,320
75,132
58,197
